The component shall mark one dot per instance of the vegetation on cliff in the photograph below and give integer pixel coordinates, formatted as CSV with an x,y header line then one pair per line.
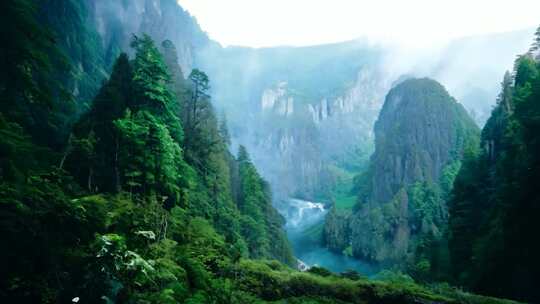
x,y
421,135
118,184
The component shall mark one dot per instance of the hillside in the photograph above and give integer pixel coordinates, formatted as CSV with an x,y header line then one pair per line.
x,y
141,162
420,137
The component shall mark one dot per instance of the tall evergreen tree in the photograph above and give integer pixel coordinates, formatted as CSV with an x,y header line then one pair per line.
x,y
150,76
495,201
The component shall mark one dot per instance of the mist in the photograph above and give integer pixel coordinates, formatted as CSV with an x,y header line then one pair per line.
x,y
346,83
306,114
240,151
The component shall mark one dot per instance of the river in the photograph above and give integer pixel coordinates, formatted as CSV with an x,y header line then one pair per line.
x,y
304,223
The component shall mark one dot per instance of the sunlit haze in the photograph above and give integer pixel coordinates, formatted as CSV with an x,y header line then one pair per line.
x,y
415,23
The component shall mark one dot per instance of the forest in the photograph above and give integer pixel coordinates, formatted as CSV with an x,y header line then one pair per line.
x,y
127,176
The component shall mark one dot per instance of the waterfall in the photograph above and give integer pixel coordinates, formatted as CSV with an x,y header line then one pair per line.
x,y
305,220
302,214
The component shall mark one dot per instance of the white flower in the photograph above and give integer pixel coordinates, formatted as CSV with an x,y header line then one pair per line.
x,y
75,300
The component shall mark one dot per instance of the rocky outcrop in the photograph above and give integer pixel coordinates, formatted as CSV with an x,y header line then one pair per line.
x,y
365,96
419,131
303,136
278,100
420,137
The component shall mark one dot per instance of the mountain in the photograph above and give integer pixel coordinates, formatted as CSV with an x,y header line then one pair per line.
x,y
315,143
299,116
420,137
117,21
307,113
119,184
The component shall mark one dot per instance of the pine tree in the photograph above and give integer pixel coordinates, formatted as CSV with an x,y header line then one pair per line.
x,y
195,104
110,104
535,47
150,76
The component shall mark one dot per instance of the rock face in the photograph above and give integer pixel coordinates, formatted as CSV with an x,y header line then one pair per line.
x,y
365,96
117,21
278,100
419,131
301,137
333,93
300,111
420,137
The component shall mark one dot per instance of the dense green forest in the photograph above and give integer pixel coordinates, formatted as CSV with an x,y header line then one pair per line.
x,y
494,204
140,196
118,184
472,221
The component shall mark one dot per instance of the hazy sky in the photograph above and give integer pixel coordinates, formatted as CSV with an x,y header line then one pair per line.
x,y
304,22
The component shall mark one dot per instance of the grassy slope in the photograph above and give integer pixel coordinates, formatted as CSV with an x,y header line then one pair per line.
x,y
272,282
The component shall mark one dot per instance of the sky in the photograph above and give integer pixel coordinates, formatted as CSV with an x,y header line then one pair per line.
x,y
413,23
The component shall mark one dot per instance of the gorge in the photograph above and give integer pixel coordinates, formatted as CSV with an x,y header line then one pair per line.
x,y
142,161
305,221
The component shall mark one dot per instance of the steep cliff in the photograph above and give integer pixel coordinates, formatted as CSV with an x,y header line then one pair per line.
x,y
118,21
420,138
314,135
273,95
91,34
300,122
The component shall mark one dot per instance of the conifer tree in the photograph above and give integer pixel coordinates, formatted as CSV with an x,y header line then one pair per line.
x,y
150,76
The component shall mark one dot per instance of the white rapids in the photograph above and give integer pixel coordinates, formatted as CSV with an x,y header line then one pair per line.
x,y
305,220
304,214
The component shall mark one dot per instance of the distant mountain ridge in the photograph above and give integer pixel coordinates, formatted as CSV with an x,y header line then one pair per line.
x,y
334,93
331,93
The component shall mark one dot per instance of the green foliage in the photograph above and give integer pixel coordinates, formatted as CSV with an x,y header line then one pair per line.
x,y
136,206
323,272
97,125
337,231
352,275
131,242
48,236
343,193
150,75
33,68
288,286
150,159
494,205
427,211
261,223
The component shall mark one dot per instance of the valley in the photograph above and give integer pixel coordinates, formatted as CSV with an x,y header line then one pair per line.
x,y
304,227
144,161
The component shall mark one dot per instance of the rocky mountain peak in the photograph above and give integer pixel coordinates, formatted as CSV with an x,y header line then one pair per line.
x,y
420,136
